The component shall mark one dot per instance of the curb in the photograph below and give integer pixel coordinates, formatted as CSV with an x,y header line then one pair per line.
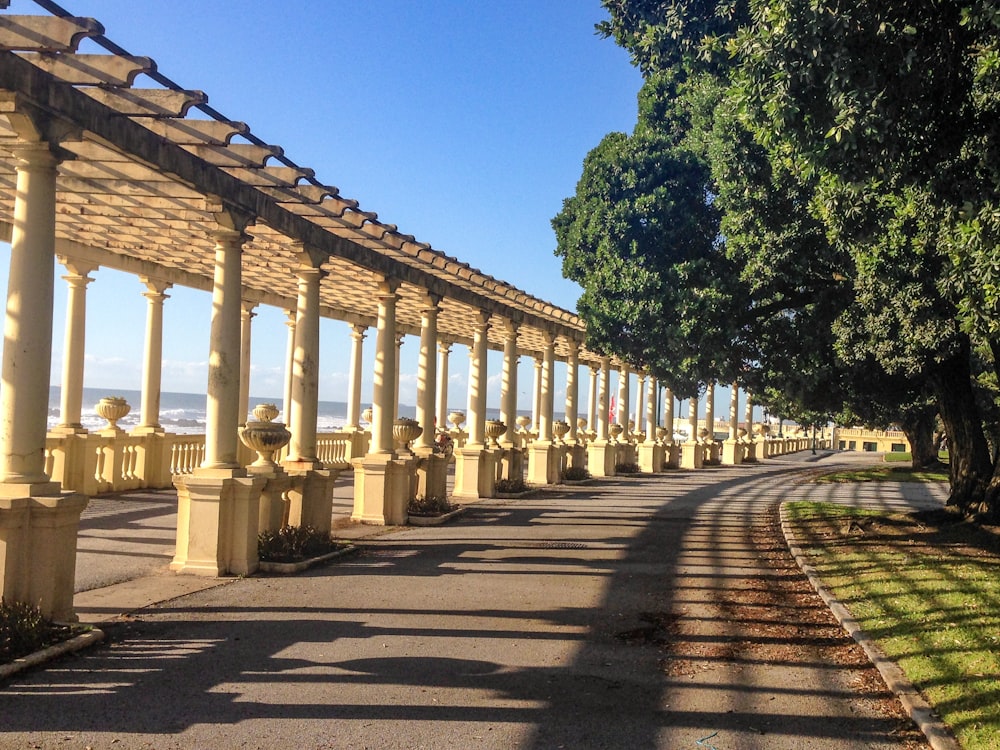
x,y
938,734
90,638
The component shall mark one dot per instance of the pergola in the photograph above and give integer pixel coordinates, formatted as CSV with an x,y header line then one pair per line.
x,y
106,162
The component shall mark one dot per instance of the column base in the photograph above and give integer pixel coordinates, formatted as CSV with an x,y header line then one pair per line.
x,y
274,505
602,458
432,474
749,452
545,462
38,532
671,456
692,455
218,511
476,469
651,457
511,462
732,453
383,488
310,497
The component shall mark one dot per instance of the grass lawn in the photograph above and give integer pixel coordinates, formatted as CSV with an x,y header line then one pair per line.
x,y
927,588
883,473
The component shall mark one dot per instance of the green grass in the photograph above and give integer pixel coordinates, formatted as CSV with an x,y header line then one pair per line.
x,y
897,456
882,473
928,590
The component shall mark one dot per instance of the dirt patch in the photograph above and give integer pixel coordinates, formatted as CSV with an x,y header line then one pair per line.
x,y
773,615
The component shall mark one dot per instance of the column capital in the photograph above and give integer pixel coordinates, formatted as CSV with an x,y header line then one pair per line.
x,y
77,268
310,273
37,154
229,238
430,302
388,286
481,321
154,287
359,331
444,346
249,306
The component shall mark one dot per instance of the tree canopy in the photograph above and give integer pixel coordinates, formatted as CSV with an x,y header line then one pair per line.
x,y
808,203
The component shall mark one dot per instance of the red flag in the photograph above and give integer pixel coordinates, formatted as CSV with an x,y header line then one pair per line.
x,y
612,412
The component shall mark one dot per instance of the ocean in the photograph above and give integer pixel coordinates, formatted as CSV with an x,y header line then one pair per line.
x,y
184,413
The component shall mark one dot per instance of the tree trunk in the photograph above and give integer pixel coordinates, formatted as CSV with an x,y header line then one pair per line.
x,y
971,468
918,426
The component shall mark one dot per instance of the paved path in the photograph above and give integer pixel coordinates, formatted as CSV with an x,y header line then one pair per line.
x,y
589,617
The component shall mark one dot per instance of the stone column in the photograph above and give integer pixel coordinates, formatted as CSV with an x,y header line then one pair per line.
x,y
536,396
383,484
732,448
152,359
247,314
710,410
155,450
692,452
395,395
572,367
592,398
384,388
546,395
544,458
651,451
289,359
71,393
621,415
432,471
354,379
749,445
508,383
640,384
427,371
218,504
38,522
601,455
444,349
475,467
305,372
672,451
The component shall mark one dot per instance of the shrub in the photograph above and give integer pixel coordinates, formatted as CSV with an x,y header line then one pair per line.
x,y
575,473
511,486
626,468
429,506
293,543
23,630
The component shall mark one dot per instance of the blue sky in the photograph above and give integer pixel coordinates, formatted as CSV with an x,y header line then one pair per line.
x,y
465,123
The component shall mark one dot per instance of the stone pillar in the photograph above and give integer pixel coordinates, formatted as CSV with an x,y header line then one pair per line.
x,y
289,359
711,447
536,396
38,522
592,397
395,393
354,379
305,372
444,349
621,414
152,359
651,451
640,383
512,459
544,458
692,452
154,458
475,466
732,448
247,315
672,451
508,384
383,484
576,452
71,392
749,443
218,504
432,470
601,453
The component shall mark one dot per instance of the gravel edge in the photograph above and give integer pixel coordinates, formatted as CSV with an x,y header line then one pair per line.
x,y
91,637
938,735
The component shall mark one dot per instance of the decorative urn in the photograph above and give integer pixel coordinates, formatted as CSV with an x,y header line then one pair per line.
x,y
366,416
264,436
615,430
405,431
494,429
523,422
661,434
112,408
560,429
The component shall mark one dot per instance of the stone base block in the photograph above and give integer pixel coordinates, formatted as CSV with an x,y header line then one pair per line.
x,y
274,505
432,474
476,468
671,456
651,457
383,488
38,532
511,463
749,452
732,452
602,457
577,456
692,455
545,462
310,497
217,516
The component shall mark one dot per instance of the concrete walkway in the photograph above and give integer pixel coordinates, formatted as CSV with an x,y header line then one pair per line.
x,y
586,617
